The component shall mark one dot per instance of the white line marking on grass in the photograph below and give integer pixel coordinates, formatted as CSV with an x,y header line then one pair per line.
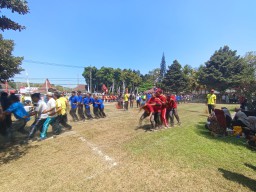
x,y
105,157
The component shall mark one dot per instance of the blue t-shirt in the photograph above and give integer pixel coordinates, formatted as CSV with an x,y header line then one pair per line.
x,y
92,101
101,105
79,99
18,110
148,96
87,102
73,101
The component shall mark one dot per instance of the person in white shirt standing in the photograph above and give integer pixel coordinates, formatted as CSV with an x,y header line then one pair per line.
x,y
40,117
51,119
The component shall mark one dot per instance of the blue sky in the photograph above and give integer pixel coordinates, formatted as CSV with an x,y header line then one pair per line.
x,y
128,34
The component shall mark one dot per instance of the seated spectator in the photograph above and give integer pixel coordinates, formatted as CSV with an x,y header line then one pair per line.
x,y
240,119
248,124
227,116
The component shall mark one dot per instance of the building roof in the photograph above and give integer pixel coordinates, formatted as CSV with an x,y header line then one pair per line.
x,y
45,87
80,87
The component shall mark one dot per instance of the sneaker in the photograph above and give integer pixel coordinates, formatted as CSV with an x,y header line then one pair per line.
x,y
179,123
41,138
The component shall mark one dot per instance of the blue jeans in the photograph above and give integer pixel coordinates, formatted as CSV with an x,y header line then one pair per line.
x,y
47,122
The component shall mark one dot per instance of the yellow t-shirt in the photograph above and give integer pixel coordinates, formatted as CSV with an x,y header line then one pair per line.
x,y
59,105
64,106
126,97
211,98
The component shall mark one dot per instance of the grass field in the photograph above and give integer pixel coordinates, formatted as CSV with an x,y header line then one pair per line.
x,y
111,154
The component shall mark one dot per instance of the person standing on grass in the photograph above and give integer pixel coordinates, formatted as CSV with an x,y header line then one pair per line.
x,y
172,106
156,103
73,103
65,100
211,101
101,107
126,100
162,97
40,117
51,119
20,114
138,100
131,98
96,107
148,112
61,111
86,102
80,106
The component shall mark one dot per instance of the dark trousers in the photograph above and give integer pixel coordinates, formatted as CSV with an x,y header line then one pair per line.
x,y
81,112
73,114
62,120
17,125
5,124
157,118
168,115
131,103
56,127
138,103
102,113
174,113
210,108
37,125
126,105
88,113
96,112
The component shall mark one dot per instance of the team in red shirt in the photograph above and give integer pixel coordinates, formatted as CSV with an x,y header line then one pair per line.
x,y
160,109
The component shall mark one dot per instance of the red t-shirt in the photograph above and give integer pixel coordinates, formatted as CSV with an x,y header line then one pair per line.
x,y
157,103
171,102
163,99
148,108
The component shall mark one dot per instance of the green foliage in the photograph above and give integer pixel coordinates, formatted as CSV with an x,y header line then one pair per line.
x,y
108,76
175,79
224,70
9,65
18,6
162,68
192,77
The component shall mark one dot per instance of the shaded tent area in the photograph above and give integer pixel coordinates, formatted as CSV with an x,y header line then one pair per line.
x,y
46,87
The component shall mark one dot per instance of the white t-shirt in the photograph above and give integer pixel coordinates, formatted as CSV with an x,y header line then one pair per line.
x,y
51,104
41,106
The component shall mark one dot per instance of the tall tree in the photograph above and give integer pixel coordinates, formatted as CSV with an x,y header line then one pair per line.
x,y
90,76
175,80
192,78
17,6
162,68
9,64
224,70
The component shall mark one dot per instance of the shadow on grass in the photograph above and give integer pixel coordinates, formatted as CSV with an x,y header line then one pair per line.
x,y
250,166
12,152
239,178
146,127
202,131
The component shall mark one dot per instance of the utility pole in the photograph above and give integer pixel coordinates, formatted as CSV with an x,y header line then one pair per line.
x,y
90,79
